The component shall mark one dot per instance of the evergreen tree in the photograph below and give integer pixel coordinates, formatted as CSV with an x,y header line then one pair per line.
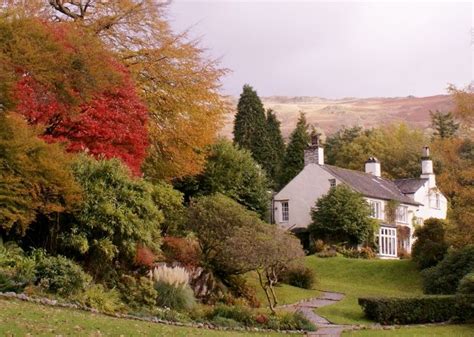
x,y
276,146
443,124
293,162
250,130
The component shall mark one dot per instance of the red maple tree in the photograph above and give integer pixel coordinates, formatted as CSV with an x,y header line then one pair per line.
x,y
112,124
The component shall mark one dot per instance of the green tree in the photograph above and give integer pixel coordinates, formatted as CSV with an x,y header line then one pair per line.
x,y
215,219
293,162
397,147
36,181
430,246
171,202
233,172
117,217
342,215
250,126
444,124
276,151
336,142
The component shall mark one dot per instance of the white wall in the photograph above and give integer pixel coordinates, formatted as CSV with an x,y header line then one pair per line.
x,y
303,191
428,209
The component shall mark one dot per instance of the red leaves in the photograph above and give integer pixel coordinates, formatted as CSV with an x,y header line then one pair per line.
x,y
112,124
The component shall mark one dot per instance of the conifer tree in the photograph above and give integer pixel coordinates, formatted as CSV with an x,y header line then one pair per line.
x,y
276,146
443,124
293,162
250,130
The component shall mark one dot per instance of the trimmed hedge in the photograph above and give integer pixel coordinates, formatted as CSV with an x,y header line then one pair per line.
x,y
419,309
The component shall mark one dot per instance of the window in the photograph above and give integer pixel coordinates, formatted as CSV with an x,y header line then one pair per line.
x,y
285,211
376,209
401,215
438,201
332,182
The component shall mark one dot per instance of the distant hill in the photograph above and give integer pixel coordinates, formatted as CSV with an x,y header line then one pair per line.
x,y
331,114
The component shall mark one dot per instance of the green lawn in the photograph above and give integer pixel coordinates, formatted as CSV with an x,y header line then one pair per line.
x,y
431,331
286,294
358,277
22,318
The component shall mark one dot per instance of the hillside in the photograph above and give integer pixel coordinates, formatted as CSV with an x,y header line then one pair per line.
x,y
331,114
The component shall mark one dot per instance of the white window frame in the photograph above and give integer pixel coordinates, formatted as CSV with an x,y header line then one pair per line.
x,y
285,211
388,242
375,209
332,182
402,214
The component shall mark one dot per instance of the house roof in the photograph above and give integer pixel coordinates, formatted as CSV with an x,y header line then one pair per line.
x,y
369,185
409,186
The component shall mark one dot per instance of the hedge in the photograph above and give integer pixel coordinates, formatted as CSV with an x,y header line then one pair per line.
x,y
419,309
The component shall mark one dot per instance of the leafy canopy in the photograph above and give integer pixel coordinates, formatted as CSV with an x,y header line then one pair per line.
x,y
35,177
342,215
233,172
118,215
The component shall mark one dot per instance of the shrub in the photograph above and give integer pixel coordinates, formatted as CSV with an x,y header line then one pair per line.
x,y
183,250
319,246
418,310
59,275
327,253
226,322
444,278
138,293
294,321
362,253
16,270
97,297
144,257
239,287
430,246
237,313
174,297
299,276
466,285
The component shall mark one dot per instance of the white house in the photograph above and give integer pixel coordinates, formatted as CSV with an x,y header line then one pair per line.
x,y
416,199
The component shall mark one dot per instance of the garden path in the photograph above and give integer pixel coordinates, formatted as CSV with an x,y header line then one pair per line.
x,y
325,328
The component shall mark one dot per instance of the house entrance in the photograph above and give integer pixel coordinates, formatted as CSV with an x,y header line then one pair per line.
x,y
387,242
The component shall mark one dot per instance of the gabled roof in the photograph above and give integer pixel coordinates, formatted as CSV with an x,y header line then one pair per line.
x,y
410,186
369,185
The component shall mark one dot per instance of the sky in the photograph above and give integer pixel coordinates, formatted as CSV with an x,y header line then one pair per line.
x,y
334,49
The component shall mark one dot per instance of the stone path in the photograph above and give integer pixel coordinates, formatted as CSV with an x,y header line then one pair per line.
x,y
325,328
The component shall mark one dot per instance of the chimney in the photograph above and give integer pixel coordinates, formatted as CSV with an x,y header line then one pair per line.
x,y
372,166
314,154
427,168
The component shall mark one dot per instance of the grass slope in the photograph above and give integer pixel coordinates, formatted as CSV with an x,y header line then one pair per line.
x,y
432,331
24,319
286,294
357,277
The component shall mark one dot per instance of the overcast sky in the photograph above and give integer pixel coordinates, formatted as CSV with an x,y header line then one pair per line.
x,y
334,49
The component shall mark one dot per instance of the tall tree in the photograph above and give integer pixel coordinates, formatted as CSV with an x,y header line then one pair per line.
x,y
444,124
178,83
77,92
36,181
234,173
250,126
293,162
276,146
336,142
